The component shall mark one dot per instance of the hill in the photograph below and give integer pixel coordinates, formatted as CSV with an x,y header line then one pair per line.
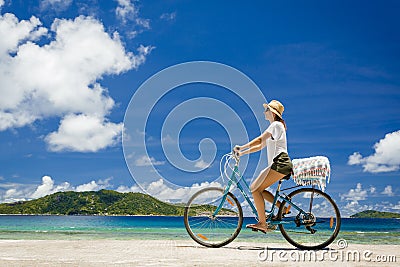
x,y
375,214
103,202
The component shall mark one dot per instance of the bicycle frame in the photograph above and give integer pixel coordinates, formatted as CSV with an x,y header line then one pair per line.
x,y
234,180
213,216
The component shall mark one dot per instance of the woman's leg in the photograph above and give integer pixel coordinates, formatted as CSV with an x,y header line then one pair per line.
x,y
268,196
257,196
271,176
259,180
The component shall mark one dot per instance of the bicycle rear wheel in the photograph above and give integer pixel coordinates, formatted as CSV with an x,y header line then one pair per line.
x,y
317,226
207,228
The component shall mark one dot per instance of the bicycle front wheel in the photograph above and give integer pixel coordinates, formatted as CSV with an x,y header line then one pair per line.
x,y
207,227
316,225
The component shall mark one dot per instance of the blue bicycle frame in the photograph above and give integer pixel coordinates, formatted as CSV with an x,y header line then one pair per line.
x,y
234,180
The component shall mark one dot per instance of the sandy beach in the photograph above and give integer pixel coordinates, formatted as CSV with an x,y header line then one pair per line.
x,y
186,253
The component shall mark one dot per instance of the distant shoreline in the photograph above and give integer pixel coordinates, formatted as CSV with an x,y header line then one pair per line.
x,y
376,214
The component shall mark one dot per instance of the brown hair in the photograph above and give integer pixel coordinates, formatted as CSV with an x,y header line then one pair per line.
x,y
277,118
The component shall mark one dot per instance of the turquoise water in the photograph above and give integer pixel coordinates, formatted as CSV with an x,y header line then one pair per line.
x,y
364,231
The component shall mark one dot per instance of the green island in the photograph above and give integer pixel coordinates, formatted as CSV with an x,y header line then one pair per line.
x,y
375,214
103,202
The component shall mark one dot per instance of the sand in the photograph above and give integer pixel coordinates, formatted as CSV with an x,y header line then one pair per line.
x,y
186,253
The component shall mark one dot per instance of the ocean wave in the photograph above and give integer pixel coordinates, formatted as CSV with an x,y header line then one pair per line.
x,y
371,232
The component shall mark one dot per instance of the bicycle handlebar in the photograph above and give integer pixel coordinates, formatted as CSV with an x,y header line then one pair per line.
x,y
236,157
224,163
235,153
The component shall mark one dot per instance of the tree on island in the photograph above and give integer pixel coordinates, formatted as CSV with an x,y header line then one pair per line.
x,y
375,214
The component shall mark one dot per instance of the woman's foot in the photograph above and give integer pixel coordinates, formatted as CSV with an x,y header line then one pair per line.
x,y
263,227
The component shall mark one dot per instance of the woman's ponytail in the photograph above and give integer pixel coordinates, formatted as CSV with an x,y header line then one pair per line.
x,y
277,118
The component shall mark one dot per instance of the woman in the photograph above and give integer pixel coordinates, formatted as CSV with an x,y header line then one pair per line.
x,y
279,163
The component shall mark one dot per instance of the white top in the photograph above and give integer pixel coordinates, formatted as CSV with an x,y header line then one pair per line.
x,y
277,143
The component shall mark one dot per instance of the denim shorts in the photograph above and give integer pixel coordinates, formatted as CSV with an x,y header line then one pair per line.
x,y
282,164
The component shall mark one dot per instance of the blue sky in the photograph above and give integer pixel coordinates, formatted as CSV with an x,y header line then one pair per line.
x,y
68,70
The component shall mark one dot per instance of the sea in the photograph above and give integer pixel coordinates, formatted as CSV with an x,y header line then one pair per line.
x,y
49,227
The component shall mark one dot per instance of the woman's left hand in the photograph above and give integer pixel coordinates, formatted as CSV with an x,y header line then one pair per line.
x,y
236,150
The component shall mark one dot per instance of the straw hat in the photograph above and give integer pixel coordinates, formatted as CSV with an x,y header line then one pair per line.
x,y
276,107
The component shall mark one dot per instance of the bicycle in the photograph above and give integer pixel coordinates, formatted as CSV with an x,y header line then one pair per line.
x,y
307,217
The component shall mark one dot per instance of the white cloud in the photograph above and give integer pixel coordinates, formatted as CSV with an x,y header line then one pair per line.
x,y
22,192
146,161
45,188
17,32
65,186
84,133
388,191
162,191
201,164
13,195
143,51
126,189
352,208
91,186
158,189
386,157
60,79
166,140
56,5
10,193
94,185
126,10
355,195
355,159
372,189
168,16
1,4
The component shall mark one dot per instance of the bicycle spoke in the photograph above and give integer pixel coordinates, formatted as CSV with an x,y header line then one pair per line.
x,y
315,229
210,230
202,223
228,224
